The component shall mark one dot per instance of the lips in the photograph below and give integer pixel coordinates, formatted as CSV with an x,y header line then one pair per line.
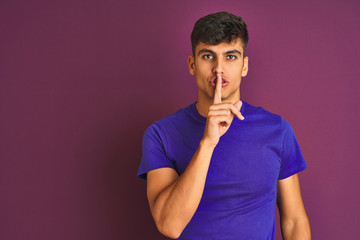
x,y
224,82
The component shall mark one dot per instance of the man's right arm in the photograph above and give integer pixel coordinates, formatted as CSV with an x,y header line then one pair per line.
x,y
174,199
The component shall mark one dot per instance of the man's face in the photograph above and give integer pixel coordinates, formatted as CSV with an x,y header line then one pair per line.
x,y
224,58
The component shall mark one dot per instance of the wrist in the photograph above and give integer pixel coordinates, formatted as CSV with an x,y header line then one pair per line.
x,y
207,144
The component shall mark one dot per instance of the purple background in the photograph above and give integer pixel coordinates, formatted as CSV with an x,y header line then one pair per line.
x,y
81,80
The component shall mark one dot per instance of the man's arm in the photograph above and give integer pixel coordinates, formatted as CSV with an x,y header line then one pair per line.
x,y
174,199
294,221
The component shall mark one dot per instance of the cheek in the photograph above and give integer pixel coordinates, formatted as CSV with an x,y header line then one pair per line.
x,y
201,70
236,69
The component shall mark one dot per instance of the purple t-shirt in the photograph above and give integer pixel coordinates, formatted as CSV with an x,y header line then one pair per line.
x,y
239,197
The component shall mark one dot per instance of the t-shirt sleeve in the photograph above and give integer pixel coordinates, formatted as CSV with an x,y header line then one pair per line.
x,y
153,151
291,156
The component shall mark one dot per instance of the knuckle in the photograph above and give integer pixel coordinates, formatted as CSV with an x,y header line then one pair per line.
x,y
211,113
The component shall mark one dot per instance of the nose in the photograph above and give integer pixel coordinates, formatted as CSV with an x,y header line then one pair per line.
x,y
218,66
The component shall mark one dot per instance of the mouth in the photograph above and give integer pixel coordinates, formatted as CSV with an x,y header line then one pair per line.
x,y
224,82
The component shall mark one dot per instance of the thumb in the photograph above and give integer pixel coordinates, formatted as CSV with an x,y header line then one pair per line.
x,y
238,104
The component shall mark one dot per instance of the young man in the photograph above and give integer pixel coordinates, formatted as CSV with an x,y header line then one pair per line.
x,y
217,168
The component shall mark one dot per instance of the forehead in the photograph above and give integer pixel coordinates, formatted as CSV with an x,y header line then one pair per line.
x,y
221,47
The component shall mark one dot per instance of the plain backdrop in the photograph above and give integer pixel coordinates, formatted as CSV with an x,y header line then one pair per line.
x,y
81,80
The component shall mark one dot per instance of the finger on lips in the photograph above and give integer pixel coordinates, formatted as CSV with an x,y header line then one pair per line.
x,y
217,100
217,93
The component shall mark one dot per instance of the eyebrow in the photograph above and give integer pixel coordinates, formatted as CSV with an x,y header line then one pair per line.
x,y
212,52
233,51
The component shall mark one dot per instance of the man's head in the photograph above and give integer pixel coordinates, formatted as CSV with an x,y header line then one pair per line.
x,y
219,27
219,41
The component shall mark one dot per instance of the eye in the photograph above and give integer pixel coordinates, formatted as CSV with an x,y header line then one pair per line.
x,y
207,56
231,57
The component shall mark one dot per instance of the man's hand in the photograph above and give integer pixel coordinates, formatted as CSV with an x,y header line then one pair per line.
x,y
220,116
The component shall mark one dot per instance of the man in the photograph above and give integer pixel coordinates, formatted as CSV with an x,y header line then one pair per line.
x,y
217,168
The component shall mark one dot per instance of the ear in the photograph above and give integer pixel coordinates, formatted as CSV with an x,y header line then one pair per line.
x,y
191,64
245,68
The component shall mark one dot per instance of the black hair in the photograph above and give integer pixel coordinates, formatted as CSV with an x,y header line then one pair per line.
x,y
219,27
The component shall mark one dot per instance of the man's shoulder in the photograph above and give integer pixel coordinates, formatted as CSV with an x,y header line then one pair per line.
x,y
180,117
258,113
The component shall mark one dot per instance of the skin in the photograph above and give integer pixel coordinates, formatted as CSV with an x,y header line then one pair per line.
x,y
226,59
173,199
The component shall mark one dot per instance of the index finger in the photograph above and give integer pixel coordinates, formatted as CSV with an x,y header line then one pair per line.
x,y
217,92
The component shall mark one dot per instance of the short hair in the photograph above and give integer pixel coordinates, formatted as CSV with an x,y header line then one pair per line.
x,y
219,27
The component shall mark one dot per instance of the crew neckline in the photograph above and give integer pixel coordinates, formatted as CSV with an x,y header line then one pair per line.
x,y
203,119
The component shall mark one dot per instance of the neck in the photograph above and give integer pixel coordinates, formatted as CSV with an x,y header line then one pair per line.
x,y
204,102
